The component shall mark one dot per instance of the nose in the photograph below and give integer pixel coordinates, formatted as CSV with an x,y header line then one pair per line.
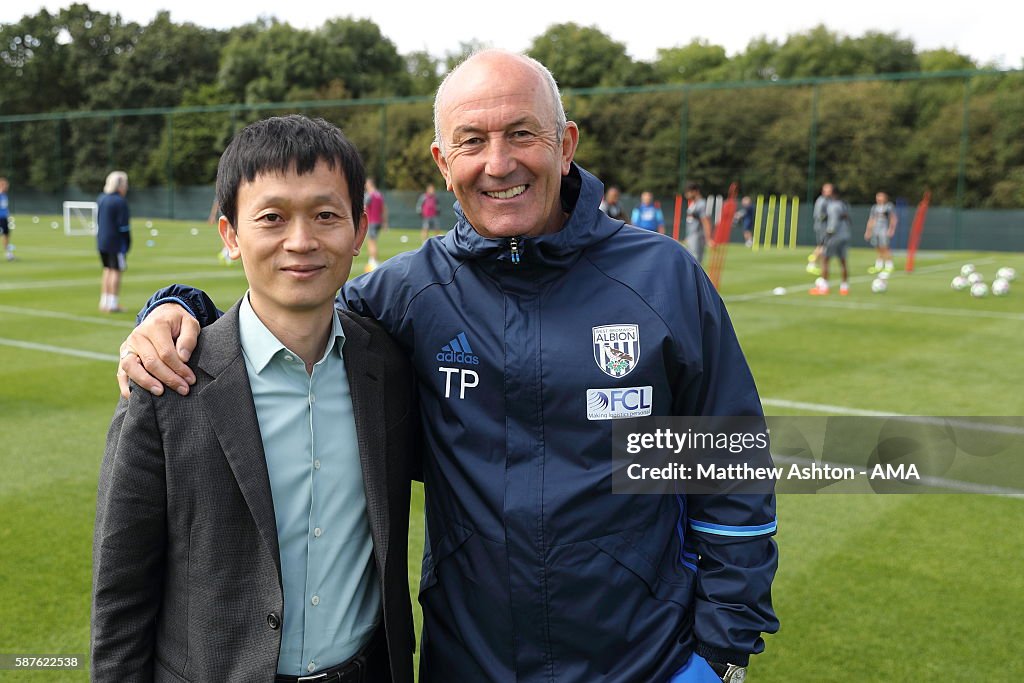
x,y
501,160
302,235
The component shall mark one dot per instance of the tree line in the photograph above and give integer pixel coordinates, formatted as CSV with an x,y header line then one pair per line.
x,y
745,118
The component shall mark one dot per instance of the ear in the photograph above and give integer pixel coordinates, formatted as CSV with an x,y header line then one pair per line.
x,y
361,228
570,139
442,165
229,236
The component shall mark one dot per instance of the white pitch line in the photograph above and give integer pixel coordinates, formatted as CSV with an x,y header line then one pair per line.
x,y
824,408
85,282
804,285
899,308
926,480
960,423
35,312
31,346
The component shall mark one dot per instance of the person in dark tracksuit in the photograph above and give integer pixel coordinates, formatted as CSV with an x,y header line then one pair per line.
x,y
113,238
524,323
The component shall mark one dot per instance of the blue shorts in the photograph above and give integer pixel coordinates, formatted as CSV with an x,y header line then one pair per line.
x,y
114,260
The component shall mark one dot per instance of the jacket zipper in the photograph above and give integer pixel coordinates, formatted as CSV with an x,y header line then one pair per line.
x,y
513,245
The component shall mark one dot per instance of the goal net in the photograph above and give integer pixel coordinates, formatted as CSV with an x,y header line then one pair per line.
x,y
79,218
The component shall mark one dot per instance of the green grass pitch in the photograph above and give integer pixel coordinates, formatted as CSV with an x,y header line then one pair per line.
x,y
870,588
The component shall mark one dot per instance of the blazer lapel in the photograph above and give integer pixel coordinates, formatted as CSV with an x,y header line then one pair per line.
x,y
229,404
363,365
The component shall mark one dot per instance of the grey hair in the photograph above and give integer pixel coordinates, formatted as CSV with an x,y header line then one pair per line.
x,y
115,181
549,80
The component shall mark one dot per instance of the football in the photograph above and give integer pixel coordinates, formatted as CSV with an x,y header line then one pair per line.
x,y
979,289
959,283
966,269
878,286
1001,287
975,278
1007,274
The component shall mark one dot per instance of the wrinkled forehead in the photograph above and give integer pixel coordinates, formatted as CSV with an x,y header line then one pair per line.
x,y
494,90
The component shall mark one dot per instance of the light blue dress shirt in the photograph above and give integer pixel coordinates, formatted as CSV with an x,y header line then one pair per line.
x,y
331,593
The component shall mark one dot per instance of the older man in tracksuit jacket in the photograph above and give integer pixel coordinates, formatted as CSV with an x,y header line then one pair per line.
x,y
534,570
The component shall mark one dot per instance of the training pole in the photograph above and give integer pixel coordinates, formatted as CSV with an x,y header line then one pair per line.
x,y
794,209
720,238
758,215
678,217
770,224
781,240
915,232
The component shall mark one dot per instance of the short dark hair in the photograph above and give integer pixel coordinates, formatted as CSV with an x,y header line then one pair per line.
x,y
278,144
692,186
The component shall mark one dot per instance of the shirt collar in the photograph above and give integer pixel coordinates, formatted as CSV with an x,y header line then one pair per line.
x,y
260,346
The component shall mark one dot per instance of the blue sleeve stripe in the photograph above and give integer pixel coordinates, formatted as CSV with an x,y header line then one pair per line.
x,y
165,300
727,530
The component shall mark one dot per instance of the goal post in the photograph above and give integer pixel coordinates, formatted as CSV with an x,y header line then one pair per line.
x,y
80,218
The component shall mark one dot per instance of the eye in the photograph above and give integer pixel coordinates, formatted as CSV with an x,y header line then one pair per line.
x,y
326,215
522,134
270,218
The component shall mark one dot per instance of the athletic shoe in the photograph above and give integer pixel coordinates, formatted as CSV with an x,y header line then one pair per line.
x,y
888,268
813,269
818,291
874,269
844,289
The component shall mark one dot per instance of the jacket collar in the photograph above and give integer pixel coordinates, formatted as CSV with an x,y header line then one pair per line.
x,y
586,225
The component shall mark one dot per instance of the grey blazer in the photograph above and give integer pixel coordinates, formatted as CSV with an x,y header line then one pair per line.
x,y
186,568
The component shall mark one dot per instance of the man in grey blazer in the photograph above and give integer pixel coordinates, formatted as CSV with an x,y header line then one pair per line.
x,y
256,529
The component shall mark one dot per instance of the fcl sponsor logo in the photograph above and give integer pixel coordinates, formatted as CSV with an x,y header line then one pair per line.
x,y
616,348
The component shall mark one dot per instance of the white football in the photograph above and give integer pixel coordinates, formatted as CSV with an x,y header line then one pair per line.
x,y
1007,274
979,289
1001,287
966,269
975,277
959,283
878,286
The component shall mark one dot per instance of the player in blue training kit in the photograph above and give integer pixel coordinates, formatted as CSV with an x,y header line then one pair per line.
x,y
5,218
648,215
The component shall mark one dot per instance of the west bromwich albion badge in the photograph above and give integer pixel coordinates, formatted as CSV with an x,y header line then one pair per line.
x,y
616,348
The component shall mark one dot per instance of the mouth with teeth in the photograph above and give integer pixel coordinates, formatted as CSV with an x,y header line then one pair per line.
x,y
509,193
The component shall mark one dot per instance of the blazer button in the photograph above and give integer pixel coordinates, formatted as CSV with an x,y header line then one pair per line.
x,y
274,621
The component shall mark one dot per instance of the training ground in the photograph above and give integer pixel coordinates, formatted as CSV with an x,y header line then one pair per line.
x,y
869,588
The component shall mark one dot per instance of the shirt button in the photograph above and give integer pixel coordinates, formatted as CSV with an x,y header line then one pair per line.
x,y
317,532
312,398
289,358
311,667
316,464
315,600
273,621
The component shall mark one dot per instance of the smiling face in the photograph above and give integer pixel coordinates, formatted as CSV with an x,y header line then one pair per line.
x,y
296,235
502,156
